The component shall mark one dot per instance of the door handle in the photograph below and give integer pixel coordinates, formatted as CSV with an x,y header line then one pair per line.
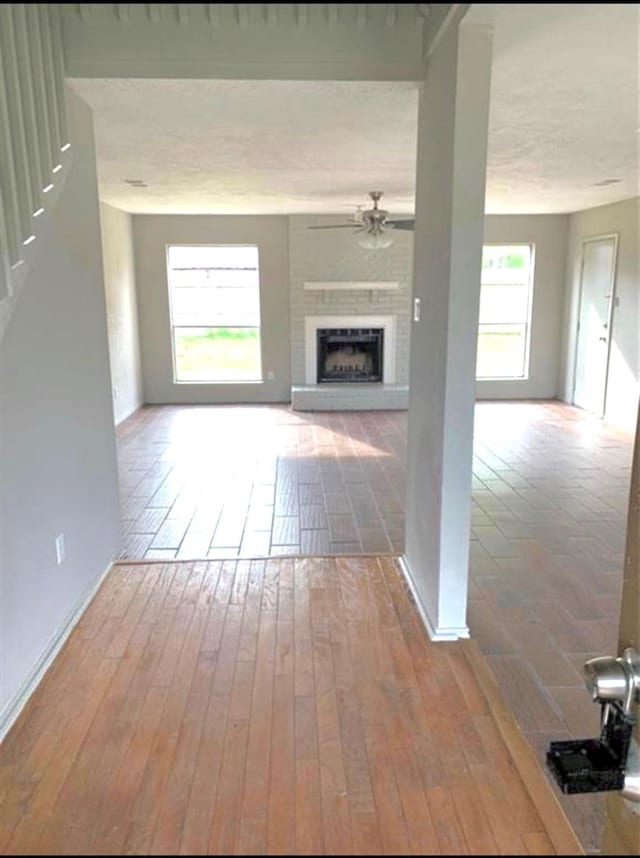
x,y
602,339
611,761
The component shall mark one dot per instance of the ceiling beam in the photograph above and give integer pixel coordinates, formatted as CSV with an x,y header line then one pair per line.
x,y
391,17
242,14
271,13
332,14
302,15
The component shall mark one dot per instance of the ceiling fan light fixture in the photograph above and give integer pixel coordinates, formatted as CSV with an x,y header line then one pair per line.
x,y
375,240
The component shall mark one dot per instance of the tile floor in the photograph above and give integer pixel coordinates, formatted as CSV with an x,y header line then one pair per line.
x,y
550,492
202,482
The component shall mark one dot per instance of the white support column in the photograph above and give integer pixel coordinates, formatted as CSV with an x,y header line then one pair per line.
x,y
450,187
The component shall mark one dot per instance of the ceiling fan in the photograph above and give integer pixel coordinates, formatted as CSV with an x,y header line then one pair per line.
x,y
372,224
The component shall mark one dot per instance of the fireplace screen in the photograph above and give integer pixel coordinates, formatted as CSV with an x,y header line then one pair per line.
x,y
350,354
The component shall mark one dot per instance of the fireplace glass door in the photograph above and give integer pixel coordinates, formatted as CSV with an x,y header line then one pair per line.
x,y
350,354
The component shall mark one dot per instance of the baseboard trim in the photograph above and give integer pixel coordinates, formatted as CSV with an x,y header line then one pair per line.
x,y
435,632
14,707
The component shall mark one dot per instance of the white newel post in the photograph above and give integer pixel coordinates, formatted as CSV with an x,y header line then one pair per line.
x,y
450,187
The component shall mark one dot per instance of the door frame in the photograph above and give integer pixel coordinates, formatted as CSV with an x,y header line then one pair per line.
x,y
614,273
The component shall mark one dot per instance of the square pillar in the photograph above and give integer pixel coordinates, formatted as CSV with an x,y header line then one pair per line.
x,y
450,192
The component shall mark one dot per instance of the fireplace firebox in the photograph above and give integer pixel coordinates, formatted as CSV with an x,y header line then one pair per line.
x,y
350,354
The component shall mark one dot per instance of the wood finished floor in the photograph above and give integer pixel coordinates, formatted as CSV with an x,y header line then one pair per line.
x,y
550,492
281,706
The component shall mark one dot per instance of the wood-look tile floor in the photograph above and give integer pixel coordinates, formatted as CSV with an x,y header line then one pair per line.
x,y
207,482
273,706
550,493
550,498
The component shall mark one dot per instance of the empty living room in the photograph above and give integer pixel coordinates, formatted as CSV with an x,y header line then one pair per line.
x,y
319,429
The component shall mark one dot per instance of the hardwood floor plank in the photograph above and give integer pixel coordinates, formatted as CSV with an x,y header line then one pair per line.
x,y
175,801
60,693
492,791
68,832
293,706
281,825
270,586
303,660
229,794
179,660
335,805
309,831
446,821
538,843
28,834
197,824
252,824
251,619
476,827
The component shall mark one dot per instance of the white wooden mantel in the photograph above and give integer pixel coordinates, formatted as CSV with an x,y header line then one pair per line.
x,y
337,285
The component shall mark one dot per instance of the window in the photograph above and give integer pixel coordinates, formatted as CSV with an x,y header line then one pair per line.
x,y
214,299
505,302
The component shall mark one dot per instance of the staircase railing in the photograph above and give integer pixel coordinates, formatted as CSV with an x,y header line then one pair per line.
x,y
34,139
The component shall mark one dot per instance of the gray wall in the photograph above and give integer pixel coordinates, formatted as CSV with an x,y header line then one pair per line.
x,y
122,311
291,254
152,233
57,448
549,234
623,383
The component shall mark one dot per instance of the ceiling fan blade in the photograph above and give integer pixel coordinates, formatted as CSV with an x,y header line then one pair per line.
x,y
334,226
400,224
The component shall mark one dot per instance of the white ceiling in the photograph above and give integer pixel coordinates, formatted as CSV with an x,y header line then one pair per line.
x,y
253,147
564,107
564,117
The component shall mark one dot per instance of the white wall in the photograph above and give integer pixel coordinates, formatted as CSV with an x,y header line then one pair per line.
x,y
57,447
549,235
623,383
152,234
122,311
328,255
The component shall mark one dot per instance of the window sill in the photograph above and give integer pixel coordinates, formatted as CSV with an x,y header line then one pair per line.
x,y
217,383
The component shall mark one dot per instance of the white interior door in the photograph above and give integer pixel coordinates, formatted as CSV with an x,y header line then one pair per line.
x,y
594,324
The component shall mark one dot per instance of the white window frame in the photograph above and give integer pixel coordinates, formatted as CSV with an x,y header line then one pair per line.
x,y
173,327
526,323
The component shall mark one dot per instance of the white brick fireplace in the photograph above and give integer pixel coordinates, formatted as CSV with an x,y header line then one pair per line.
x,y
337,284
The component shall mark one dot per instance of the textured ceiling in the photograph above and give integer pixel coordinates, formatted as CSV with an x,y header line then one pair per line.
x,y
564,107
564,117
253,147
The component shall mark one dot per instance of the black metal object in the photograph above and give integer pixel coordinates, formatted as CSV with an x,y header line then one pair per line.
x,y
594,765
350,354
